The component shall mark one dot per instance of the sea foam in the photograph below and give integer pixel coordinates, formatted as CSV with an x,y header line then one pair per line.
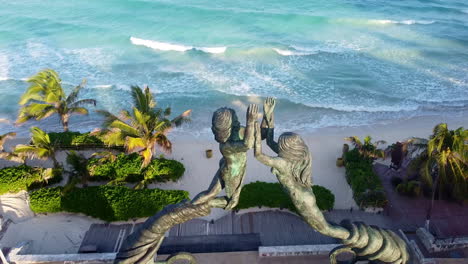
x,y
284,52
174,47
403,22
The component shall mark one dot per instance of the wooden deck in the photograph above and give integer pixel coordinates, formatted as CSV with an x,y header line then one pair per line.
x,y
273,228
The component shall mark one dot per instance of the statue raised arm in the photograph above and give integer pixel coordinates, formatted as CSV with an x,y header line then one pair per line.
x,y
233,144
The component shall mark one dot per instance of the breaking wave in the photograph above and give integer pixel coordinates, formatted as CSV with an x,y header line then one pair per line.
x,y
174,47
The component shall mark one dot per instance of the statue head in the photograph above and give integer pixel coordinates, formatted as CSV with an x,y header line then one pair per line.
x,y
293,149
224,123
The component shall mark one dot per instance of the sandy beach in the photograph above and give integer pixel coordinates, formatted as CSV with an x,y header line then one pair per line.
x,y
325,145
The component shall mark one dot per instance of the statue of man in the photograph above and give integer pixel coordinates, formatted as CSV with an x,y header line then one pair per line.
x,y
234,142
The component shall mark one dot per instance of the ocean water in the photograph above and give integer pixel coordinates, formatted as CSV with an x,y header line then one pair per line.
x,y
329,62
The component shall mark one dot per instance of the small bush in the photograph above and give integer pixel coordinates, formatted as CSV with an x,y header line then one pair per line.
x,y
15,179
46,200
272,195
75,139
164,170
395,181
325,198
366,185
107,202
127,168
411,188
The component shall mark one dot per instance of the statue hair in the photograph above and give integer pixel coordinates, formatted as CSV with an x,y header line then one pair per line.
x,y
293,148
224,123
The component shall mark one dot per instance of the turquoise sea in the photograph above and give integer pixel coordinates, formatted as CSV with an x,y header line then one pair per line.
x,y
329,62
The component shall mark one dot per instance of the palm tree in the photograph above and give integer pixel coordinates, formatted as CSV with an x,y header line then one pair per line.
x,y
367,149
40,147
79,164
447,160
144,128
444,163
46,97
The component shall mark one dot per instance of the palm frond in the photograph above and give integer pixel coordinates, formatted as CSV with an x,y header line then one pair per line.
x,y
108,117
125,128
163,142
78,110
133,144
147,155
142,100
354,140
71,98
5,137
181,119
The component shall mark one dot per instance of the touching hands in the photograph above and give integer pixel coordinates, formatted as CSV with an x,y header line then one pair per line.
x,y
252,113
268,108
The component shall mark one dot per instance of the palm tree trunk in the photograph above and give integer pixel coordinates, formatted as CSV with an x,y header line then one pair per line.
x,y
434,190
54,160
64,119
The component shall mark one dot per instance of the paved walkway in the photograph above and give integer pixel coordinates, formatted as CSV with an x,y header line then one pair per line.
x,y
448,218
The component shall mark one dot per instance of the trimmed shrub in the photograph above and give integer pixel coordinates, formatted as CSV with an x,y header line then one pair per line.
x,y
15,179
75,139
272,195
107,202
325,198
46,200
127,168
366,185
410,188
164,170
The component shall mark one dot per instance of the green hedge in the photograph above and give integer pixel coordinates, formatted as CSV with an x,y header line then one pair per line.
x,y
272,195
366,185
107,202
15,179
70,139
127,168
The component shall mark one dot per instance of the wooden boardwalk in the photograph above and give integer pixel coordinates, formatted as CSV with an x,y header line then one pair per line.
x,y
274,228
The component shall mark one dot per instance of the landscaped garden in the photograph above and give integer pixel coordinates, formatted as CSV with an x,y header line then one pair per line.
x,y
138,133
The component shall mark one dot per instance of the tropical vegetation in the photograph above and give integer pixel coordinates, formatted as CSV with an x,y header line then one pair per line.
x,y
367,148
75,140
366,185
142,129
15,179
442,165
40,148
46,96
128,168
107,202
272,195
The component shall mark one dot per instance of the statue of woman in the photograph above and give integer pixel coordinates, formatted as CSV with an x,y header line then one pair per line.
x,y
293,169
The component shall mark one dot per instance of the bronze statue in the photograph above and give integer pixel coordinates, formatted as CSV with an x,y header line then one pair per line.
x,y
292,168
234,142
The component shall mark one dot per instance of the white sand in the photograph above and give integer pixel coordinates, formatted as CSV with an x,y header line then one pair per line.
x,y
15,206
50,234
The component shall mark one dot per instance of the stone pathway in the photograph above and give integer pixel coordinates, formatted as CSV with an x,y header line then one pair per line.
x,y
448,219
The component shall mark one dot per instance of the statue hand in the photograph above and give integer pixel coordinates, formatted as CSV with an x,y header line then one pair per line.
x,y
252,113
269,107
